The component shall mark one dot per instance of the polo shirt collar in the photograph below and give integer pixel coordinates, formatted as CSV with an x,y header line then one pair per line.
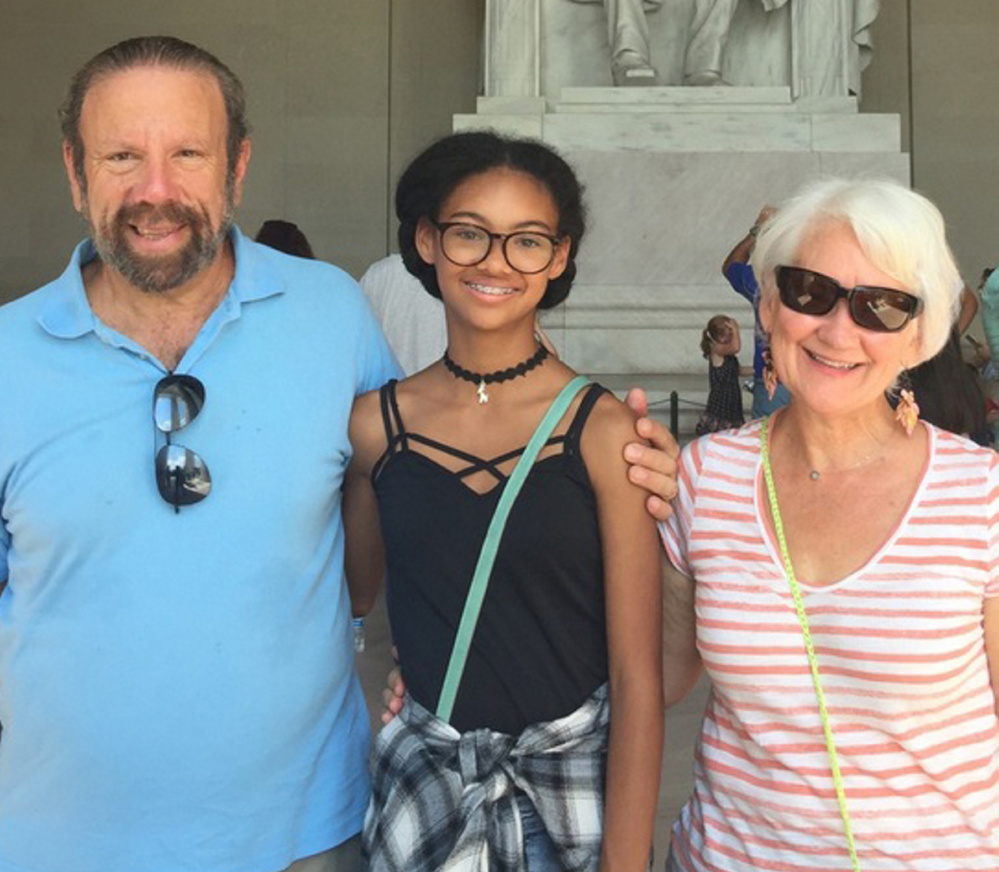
x,y
67,314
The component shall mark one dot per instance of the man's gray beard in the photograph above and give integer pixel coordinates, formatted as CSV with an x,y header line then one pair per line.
x,y
156,275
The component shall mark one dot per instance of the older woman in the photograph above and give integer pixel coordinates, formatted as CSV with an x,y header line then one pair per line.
x,y
842,560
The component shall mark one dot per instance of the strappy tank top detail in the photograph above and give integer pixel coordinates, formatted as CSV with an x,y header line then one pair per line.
x,y
397,438
540,647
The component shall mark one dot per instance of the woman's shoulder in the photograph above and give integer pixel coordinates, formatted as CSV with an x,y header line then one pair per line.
x,y
734,455
741,441
948,449
945,442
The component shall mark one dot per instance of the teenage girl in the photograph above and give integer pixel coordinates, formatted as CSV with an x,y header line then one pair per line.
x,y
720,343
551,756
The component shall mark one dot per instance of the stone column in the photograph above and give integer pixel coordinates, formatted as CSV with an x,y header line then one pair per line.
x,y
830,45
513,48
821,43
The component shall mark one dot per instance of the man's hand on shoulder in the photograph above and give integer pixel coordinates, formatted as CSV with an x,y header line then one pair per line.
x,y
652,466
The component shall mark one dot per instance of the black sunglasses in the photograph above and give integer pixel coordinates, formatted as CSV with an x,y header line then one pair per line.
x,y
883,310
181,475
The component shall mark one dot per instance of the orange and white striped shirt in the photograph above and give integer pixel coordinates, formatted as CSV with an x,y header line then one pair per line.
x,y
901,651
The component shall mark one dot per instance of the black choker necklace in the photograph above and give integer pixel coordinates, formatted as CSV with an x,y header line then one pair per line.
x,y
501,375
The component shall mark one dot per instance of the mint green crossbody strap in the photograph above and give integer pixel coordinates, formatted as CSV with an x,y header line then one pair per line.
x,y
487,556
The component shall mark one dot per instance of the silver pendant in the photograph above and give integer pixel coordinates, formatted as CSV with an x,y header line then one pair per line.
x,y
483,396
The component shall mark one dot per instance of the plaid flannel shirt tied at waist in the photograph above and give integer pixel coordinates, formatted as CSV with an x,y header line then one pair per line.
x,y
444,800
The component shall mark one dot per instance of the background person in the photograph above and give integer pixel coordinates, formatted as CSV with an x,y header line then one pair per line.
x,y
949,394
412,320
740,276
284,236
893,537
720,344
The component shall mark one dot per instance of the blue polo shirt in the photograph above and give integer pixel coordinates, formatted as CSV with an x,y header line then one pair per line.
x,y
177,690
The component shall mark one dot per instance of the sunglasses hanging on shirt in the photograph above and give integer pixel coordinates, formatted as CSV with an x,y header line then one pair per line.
x,y
181,475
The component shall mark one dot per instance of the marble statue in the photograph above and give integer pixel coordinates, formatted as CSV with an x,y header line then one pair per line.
x,y
817,47
831,45
709,31
829,64
628,38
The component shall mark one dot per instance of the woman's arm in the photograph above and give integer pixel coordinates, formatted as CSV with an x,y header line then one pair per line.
x,y
633,592
992,645
364,555
681,660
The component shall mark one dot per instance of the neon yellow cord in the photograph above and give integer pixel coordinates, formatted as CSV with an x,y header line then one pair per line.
x,y
806,634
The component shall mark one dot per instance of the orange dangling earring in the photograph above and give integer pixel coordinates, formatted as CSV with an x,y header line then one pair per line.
x,y
907,410
769,373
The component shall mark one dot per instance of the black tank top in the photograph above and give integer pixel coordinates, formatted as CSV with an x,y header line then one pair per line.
x,y
540,646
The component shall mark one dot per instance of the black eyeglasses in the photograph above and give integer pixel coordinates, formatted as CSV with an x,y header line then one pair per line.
x,y
526,251
181,475
883,310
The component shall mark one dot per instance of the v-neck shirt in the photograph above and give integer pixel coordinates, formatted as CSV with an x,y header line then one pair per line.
x,y
901,651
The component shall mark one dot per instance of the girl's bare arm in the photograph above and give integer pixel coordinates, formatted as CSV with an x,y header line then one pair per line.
x,y
632,557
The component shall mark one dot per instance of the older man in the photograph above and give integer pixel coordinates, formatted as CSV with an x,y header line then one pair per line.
x,y
176,670
176,681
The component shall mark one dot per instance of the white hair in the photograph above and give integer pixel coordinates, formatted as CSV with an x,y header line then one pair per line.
x,y
899,231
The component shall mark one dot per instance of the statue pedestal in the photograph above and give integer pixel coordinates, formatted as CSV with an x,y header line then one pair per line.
x,y
674,178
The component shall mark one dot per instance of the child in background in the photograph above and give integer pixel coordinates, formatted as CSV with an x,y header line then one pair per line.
x,y
720,343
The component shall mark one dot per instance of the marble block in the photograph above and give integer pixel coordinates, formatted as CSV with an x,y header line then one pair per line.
x,y
530,126
699,100
742,131
826,105
668,97
684,132
510,105
867,132
858,165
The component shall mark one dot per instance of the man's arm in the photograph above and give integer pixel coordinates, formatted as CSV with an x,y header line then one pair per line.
x,y
744,247
741,252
